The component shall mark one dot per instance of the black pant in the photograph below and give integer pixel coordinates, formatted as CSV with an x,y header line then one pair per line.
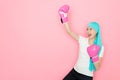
x,y
74,75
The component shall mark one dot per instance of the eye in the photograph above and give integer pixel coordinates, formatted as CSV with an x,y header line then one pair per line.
x,y
90,28
87,29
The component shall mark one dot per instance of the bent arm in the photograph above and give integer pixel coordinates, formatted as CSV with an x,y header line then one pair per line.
x,y
98,63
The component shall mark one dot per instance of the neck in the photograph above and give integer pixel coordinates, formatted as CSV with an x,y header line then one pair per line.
x,y
91,40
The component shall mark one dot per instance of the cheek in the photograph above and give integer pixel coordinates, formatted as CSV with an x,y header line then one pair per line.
x,y
93,33
87,32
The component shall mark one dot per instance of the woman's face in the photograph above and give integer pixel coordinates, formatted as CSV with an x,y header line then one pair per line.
x,y
91,32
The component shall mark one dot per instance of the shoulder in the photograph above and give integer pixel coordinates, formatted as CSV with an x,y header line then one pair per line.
x,y
102,51
102,47
82,38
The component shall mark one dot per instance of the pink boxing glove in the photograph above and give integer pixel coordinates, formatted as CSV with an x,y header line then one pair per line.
x,y
63,13
93,52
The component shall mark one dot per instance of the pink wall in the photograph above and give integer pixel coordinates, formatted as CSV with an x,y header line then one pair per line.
x,y
35,46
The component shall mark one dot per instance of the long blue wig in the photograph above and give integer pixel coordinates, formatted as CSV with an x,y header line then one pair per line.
x,y
97,41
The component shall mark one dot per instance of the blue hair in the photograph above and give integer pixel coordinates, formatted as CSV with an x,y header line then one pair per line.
x,y
97,41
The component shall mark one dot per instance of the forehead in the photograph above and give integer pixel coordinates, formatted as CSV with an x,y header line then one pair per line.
x,y
89,27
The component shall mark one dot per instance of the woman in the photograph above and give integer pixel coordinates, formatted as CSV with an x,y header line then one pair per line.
x,y
90,51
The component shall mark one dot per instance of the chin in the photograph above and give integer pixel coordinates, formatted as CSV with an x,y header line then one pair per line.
x,y
91,37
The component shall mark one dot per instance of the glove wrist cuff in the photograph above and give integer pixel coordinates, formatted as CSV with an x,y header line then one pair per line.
x,y
95,58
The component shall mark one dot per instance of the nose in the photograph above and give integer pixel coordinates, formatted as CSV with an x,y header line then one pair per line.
x,y
88,31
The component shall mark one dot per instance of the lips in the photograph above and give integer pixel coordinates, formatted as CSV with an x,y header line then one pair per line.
x,y
89,35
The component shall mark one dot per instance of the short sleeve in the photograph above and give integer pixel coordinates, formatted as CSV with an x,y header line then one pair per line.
x,y
102,52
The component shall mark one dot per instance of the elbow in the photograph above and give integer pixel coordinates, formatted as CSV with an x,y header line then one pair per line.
x,y
69,32
98,67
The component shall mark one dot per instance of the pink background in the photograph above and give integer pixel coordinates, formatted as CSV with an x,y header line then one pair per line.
x,y
35,46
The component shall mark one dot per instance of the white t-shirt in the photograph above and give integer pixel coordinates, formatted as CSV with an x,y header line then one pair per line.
x,y
82,64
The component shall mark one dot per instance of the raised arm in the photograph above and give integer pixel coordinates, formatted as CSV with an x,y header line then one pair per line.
x,y
64,19
70,32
